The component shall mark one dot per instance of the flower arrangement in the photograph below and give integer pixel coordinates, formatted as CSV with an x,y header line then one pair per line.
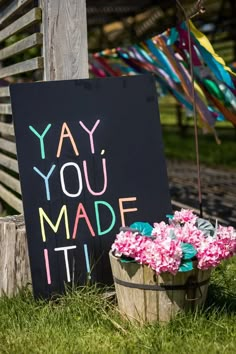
x,y
174,246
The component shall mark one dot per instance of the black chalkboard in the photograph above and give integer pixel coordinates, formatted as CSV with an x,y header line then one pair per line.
x,y
90,159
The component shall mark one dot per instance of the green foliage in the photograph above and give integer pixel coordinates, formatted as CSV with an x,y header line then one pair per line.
x,y
143,227
188,254
186,266
205,226
124,259
86,322
188,251
182,146
172,234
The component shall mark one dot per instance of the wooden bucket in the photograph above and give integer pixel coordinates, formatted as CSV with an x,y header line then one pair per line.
x,y
147,297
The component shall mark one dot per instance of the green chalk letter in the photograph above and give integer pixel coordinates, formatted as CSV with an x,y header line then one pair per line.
x,y
100,232
41,137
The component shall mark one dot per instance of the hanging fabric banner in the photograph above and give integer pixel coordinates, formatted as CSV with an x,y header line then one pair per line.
x,y
166,56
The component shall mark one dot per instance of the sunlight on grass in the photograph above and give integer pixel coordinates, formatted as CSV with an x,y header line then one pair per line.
x,y
182,147
85,322
180,143
168,114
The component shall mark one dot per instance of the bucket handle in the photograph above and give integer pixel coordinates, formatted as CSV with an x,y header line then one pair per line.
x,y
191,284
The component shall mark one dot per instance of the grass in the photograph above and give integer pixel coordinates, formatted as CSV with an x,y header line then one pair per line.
x,y
85,322
182,146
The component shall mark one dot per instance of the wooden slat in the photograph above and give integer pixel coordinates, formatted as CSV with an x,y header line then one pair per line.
x,y
19,47
14,7
7,129
21,24
65,47
22,67
5,108
11,199
9,163
8,146
4,92
10,182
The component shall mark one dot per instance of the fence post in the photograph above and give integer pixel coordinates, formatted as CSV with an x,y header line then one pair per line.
x,y
65,48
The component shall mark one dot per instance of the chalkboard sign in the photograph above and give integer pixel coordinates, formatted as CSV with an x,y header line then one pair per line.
x,y
90,160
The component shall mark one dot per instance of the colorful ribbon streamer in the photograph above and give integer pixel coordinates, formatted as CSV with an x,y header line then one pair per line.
x,y
166,56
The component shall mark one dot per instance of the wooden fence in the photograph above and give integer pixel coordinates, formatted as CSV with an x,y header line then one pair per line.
x,y
58,32
55,31
15,18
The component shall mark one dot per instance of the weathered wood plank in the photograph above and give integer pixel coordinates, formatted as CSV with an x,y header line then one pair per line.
x,y
22,67
4,92
7,255
8,146
9,163
14,259
10,182
21,24
22,264
14,7
5,108
65,39
35,39
6,129
11,199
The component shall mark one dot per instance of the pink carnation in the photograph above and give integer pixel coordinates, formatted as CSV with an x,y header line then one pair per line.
x,y
189,233
185,215
161,229
163,253
128,244
161,256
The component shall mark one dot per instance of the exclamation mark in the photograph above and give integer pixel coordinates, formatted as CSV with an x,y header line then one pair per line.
x,y
87,260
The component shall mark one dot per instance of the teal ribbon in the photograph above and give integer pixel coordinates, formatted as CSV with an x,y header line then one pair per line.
x,y
161,57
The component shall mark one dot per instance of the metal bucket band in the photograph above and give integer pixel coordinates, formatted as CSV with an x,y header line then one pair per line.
x,y
162,287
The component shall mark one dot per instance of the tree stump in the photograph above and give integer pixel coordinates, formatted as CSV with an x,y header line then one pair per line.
x,y
14,258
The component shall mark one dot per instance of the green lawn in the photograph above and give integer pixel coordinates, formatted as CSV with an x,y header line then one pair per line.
x,y
182,146
84,322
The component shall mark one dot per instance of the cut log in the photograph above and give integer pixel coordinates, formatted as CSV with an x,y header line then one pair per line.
x,y
14,259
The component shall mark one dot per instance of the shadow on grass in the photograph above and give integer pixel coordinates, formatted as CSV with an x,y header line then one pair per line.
x,y
220,299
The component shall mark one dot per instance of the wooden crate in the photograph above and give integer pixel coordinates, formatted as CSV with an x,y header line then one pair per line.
x,y
145,296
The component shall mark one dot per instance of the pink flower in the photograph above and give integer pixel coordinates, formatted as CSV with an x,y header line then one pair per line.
x,y
160,229
163,253
190,234
185,215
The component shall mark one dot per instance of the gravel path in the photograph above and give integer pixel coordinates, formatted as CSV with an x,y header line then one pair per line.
x,y
218,190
